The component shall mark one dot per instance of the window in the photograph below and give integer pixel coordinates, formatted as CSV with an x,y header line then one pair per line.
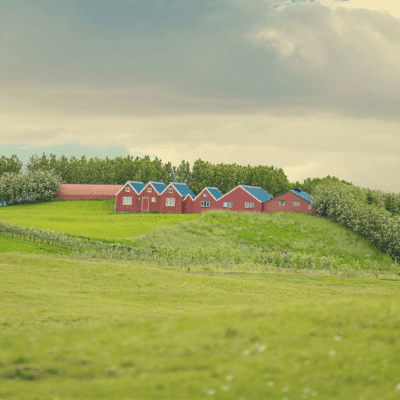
x,y
153,199
249,205
127,189
228,204
171,190
127,201
205,194
281,202
296,203
148,190
205,204
309,206
170,202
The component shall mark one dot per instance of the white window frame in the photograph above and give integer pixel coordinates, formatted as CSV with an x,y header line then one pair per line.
x,y
170,202
170,190
127,201
149,190
309,206
282,203
249,204
296,203
205,194
228,204
153,199
127,189
205,204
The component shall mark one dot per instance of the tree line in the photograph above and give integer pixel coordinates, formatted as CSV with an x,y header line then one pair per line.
x,y
121,169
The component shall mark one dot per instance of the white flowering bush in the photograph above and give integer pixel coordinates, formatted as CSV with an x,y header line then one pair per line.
x,y
32,187
343,204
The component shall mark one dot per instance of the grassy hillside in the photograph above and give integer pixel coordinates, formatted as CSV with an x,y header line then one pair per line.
x,y
99,331
90,219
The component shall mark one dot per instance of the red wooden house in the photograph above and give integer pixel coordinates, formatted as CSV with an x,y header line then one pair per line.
x,y
292,200
127,198
150,199
171,199
86,192
244,198
206,200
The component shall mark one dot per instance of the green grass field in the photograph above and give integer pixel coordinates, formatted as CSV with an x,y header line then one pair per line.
x,y
96,330
93,219
79,330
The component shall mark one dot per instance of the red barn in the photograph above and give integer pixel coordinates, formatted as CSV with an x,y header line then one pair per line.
x,y
150,199
128,197
244,198
171,199
292,200
206,200
86,192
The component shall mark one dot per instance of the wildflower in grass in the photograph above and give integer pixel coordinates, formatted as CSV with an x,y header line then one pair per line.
x,y
270,383
314,393
285,389
261,347
332,353
398,386
246,352
337,338
229,378
306,390
209,392
225,388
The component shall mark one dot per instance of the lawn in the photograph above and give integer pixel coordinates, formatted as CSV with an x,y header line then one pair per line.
x,y
93,219
84,330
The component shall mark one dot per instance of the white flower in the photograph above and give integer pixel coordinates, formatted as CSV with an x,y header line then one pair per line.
x,y
229,378
261,347
225,388
332,353
246,352
270,383
285,389
306,390
209,392
337,338
398,386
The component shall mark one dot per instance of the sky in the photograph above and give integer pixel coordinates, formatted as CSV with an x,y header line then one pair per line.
x,y
310,86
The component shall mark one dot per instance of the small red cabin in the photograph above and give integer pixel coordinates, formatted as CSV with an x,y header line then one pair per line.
x,y
244,198
206,200
128,197
292,200
171,199
150,199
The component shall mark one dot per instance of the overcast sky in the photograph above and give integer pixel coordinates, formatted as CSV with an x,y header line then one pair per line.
x,y
309,86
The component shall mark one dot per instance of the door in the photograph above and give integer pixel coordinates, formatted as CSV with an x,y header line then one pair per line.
x,y
145,204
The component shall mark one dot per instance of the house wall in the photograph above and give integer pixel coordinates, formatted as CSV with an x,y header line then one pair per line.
x,y
156,206
120,207
239,197
178,208
272,205
188,206
197,208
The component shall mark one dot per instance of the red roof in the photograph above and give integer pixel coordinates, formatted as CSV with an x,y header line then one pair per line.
x,y
95,190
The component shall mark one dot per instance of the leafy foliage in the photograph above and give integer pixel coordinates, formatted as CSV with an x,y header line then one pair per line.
x,y
10,165
347,205
32,187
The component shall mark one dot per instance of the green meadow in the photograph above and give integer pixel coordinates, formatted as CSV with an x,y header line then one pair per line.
x,y
82,330
73,329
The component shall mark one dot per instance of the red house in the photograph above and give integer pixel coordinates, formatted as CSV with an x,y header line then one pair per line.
x,y
206,200
292,200
244,198
127,198
86,192
150,199
171,199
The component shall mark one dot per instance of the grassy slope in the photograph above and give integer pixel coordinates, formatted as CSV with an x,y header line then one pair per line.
x,y
100,331
90,219
292,232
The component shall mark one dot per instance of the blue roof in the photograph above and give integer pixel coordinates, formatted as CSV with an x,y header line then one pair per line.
x,y
304,195
259,193
215,192
158,186
137,186
183,189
